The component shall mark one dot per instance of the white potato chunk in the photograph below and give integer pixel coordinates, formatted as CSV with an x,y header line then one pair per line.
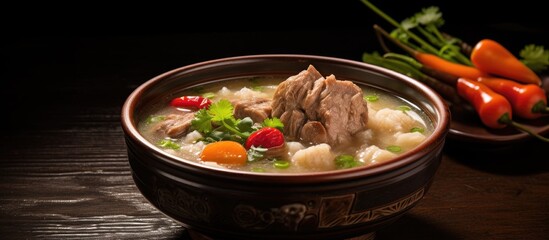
x,y
293,147
318,157
365,137
389,120
224,93
249,94
409,140
192,137
373,154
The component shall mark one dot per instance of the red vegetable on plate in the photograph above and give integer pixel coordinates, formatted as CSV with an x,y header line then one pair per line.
x,y
492,57
494,110
527,100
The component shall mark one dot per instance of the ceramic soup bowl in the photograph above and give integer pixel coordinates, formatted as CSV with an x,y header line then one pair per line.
x,y
224,203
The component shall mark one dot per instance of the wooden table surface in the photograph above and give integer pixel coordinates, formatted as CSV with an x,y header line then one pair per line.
x,y
64,172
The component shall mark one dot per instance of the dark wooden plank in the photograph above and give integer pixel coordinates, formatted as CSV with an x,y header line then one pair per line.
x,y
75,183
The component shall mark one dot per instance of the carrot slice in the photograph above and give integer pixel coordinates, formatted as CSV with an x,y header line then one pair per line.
x,y
224,152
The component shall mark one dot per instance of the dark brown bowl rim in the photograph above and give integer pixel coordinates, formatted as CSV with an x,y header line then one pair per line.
x,y
437,137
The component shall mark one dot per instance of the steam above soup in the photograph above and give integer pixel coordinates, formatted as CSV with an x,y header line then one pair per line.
x,y
303,123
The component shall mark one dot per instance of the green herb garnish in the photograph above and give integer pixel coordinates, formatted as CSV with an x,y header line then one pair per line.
x,y
371,98
221,114
154,118
257,88
535,57
256,153
346,161
208,95
217,123
417,129
404,108
168,143
394,149
281,164
273,122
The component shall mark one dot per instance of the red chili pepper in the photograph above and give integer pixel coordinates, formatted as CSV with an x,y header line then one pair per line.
x,y
528,100
192,102
267,137
491,57
494,110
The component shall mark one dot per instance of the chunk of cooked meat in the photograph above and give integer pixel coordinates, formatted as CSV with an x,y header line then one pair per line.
x,y
293,122
314,132
342,110
312,100
318,109
257,109
175,125
290,93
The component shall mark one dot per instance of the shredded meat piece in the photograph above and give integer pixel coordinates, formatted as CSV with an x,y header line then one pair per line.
x,y
257,109
176,125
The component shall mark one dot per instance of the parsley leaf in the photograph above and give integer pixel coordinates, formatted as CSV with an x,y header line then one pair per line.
x,y
535,57
202,121
256,153
217,123
221,110
273,122
430,15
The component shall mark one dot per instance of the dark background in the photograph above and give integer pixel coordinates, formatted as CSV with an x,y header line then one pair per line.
x,y
68,68
61,47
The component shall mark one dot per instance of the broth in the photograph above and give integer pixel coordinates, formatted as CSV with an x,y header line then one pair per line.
x,y
394,126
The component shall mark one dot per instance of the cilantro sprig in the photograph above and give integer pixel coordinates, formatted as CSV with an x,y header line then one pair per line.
x,y
218,122
535,57
273,122
429,38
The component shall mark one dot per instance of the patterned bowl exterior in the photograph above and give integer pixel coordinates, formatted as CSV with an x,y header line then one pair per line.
x,y
230,204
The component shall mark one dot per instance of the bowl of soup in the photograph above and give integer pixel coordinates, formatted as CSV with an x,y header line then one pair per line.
x,y
284,146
